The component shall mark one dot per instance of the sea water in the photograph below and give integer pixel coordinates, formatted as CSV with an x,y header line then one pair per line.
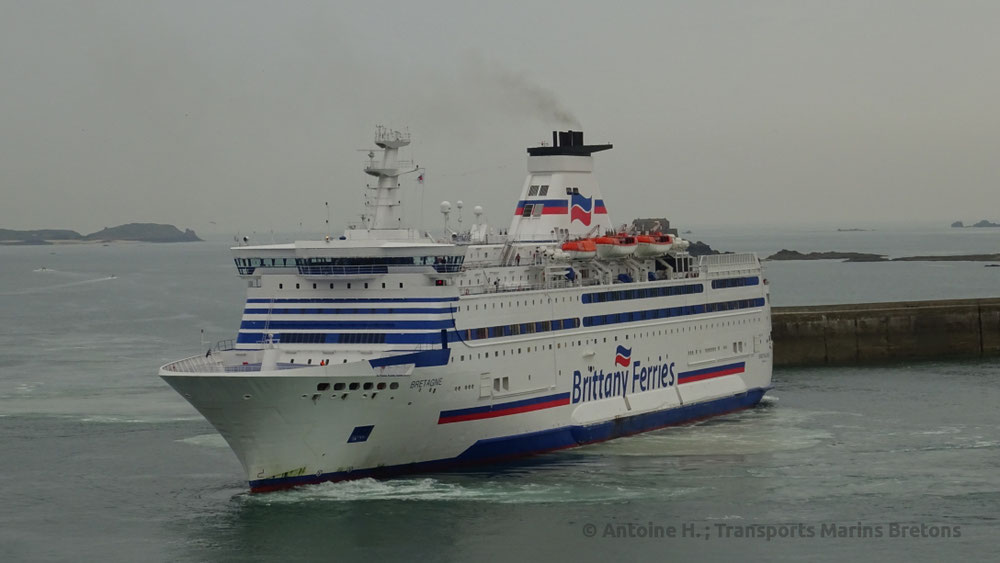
x,y
101,461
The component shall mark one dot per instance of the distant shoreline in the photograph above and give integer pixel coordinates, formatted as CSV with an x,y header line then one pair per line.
x,y
129,232
789,255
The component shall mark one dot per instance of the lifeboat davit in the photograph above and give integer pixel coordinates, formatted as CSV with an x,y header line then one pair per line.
x,y
651,246
580,249
611,248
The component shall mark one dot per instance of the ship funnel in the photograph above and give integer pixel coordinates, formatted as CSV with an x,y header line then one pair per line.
x,y
560,198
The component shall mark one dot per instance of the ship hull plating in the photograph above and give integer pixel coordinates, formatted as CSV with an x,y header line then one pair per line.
x,y
291,427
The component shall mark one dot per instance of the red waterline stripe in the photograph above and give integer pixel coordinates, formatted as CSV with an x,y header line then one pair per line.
x,y
504,412
712,374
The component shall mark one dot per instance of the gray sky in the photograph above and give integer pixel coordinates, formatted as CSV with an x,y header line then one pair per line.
x,y
248,114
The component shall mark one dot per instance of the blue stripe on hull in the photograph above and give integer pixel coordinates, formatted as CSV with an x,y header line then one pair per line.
x,y
358,300
520,445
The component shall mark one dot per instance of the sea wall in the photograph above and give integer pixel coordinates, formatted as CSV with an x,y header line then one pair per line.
x,y
886,332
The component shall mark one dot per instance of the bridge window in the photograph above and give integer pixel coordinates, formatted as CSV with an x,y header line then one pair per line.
x,y
544,190
532,191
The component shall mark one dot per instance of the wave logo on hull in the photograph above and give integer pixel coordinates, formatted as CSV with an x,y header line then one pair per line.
x,y
580,209
623,356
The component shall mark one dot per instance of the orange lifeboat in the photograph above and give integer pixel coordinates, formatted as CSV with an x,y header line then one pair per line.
x,y
583,249
651,246
615,247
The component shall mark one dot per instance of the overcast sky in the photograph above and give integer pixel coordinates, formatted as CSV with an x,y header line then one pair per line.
x,y
246,116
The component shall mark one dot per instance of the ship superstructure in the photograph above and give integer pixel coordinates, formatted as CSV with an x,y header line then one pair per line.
x,y
388,351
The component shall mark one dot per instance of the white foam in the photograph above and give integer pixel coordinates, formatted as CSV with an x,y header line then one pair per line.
x,y
208,440
744,433
47,288
112,419
429,489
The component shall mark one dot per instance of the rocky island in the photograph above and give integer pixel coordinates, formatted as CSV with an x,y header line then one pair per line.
x,y
785,254
699,248
981,224
135,232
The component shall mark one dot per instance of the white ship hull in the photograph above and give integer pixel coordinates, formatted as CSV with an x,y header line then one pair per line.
x,y
287,432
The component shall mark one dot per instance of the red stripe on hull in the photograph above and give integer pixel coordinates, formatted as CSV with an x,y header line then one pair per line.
x,y
504,412
713,374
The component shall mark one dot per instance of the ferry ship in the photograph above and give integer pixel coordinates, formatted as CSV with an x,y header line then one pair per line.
x,y
387,351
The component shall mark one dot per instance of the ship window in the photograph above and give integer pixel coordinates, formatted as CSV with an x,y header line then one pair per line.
x,y
354,386
331,286
366,285
281,286
322,386
496,384
569,191
310,361
536,211
348,286
383,285
296,286
506,383
526,212
368,385
394,385
544,190
338,386
381,386
532,191
400,285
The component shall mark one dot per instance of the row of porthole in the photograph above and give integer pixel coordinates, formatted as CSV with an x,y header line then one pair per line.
x,y
518,303
325,362
354,386
299,286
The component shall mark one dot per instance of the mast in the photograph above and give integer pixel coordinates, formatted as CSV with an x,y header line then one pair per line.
x,y
387,200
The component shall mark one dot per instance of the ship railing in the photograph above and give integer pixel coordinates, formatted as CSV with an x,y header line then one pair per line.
x,y
197,364
391,166
510,288
727,264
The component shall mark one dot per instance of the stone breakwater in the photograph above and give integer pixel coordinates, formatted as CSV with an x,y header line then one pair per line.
x,y
886,332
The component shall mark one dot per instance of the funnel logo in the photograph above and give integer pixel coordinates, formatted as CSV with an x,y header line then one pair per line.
x,y
624,356
580,209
